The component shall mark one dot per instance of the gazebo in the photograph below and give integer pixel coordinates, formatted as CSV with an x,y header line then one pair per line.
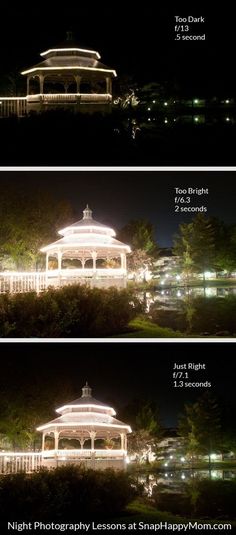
x,y
87,253
86,432
69,76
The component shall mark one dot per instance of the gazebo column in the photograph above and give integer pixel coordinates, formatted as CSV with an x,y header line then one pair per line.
x,y
41,83
28,84
59,260
108,86
82,262
125,442
122,436
123,260
82,441
78,80
56,440
94,257
66,85
92,435
43,441
47,260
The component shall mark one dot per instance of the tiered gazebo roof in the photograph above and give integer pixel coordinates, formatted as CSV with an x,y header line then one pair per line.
x,y
69,56
85,237
86,414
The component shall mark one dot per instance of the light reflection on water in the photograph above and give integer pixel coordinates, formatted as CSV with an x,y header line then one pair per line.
x,y
172,297
157,122
173,481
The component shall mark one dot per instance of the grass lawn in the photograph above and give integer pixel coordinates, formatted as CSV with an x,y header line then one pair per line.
x,y
141,328
139,511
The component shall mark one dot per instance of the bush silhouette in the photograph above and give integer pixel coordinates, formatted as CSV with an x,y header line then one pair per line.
x,y
66,493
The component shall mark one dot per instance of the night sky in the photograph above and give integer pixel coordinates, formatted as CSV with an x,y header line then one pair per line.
x,y
118,197
135,40
121,373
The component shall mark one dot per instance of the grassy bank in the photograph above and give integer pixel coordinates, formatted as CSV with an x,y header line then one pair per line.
x,y
140,511
142,328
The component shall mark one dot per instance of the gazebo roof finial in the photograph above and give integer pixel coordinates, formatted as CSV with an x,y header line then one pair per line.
x,y
87,213
70,35
86,391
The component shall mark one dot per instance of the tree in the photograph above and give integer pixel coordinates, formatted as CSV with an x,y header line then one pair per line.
x,y
140,235
195,245
23,409
147,430
225,245
12,83
29,221
126,93
200,426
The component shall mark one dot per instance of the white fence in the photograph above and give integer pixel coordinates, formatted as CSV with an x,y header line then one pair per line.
x,y
20,282
12,463
10,106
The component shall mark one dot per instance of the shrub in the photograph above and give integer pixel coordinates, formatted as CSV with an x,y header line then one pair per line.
x,y
72,311
66,493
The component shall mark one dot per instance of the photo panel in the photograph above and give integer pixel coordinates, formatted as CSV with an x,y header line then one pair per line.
x,y
96,439
117,254
151,86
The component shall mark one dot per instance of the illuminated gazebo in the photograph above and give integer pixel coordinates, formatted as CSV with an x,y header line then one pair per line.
x,y
85,432
88,252
69,76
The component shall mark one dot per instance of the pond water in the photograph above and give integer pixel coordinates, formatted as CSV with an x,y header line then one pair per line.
x,y
171,298
154,122
173,481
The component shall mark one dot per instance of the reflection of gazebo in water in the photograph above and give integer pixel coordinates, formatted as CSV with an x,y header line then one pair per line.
x,y
87,253
86,431
69,76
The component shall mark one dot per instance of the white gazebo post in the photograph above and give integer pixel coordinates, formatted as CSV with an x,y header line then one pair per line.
x,y
43,441
92,435
94,257
47,258
56,440
28,84
77,80
59,257
123,261
82,441
108,85
41,82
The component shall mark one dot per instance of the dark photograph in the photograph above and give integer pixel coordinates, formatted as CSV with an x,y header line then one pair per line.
x,y
117,85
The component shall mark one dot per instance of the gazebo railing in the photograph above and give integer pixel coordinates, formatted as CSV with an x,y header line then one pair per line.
x,y
20,282
83,453
70,97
